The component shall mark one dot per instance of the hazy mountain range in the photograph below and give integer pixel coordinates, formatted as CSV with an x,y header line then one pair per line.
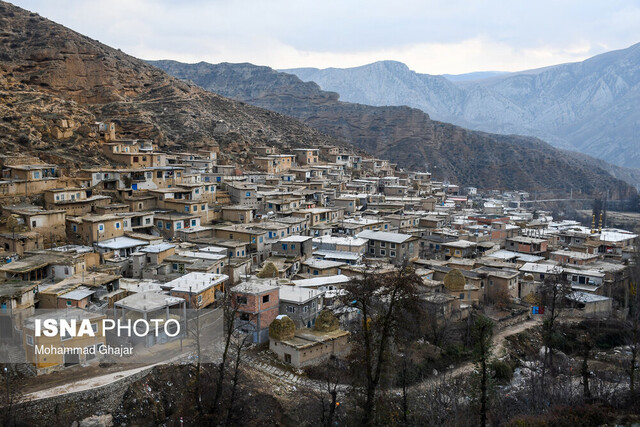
x,y
589,106
407,135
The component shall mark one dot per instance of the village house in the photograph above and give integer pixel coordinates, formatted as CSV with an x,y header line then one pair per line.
x,y
527,245
301,347
394,247
301,304
74,201
306,156
197,289
45,363
154,307
257,304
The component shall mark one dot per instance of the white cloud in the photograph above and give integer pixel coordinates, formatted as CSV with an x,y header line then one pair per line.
x,y
436,36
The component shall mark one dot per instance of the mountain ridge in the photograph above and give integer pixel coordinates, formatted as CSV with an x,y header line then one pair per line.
x,y
50,74
586,106
402,134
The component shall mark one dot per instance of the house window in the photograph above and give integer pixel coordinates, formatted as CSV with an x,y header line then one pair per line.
x,y
186,208
291,309
64,335
168,226
36,175
126,223
74,228
392,254
195,208
178,226
383,252
199,299
94,327
284,246
147,221
30,340
117,225
193,222
159,224
248,194
203,207
372,251
265,298
241,299
383,245
101,227
305,309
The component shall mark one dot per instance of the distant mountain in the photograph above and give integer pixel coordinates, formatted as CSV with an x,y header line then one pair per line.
x,y
588,106
407,135
50,75
478,75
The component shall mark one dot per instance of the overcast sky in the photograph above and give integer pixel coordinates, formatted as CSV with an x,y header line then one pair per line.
x,y
430,36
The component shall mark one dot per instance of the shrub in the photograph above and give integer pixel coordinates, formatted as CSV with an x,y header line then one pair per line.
x,y
502,371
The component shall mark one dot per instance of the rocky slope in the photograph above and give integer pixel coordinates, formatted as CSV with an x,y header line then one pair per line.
x,y
587,106
54,83
407,135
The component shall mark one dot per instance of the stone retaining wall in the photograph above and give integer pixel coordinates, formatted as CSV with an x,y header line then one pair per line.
x,y
76,406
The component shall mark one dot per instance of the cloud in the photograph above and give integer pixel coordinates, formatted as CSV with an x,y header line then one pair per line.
x,y
434,36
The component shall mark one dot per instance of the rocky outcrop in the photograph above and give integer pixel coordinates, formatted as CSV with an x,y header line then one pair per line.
x,y
50,74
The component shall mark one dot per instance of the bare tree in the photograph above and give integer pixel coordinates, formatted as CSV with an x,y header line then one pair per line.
x,y
380,299
483,335
586,344
230,310
329,395
553,296
240,342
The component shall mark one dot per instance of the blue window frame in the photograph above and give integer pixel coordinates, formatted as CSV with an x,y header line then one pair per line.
x,y
248,194
284,246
